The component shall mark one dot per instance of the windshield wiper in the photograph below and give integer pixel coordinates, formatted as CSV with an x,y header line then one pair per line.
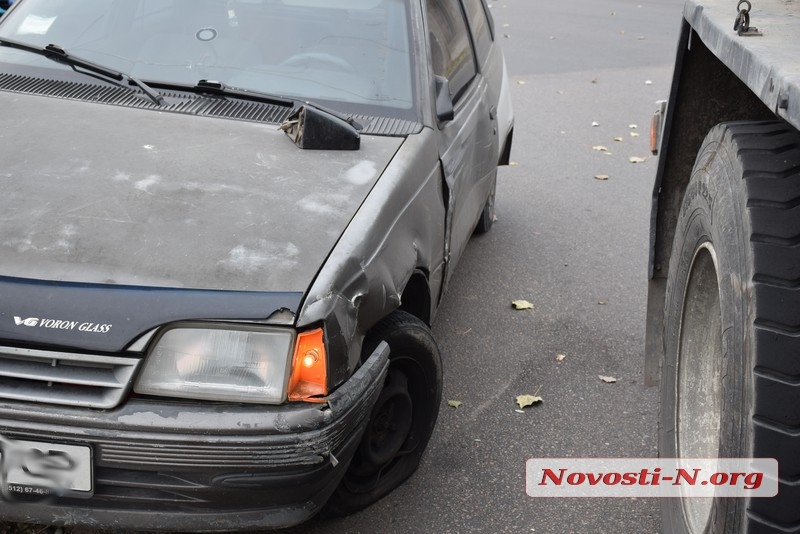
x,y
215,88
219,88
57,53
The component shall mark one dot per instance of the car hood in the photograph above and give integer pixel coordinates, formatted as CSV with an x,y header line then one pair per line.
x,y
111,195
114,221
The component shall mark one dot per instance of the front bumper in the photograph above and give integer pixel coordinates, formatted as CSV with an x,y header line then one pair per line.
x,y
164,465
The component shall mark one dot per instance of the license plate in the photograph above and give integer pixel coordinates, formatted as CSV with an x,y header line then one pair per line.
x,y
34,469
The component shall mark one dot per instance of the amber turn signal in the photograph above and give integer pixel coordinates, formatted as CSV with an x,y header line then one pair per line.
x,y
309,380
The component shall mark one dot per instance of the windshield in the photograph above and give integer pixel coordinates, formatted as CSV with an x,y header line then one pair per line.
x,y
354,53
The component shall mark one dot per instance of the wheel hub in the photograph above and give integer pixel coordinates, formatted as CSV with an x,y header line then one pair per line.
x,y
389,425
699,389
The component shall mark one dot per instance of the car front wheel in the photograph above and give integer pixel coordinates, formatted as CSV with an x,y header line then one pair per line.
x,y
402,420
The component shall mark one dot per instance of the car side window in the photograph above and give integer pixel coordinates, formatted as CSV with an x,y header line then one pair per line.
x,y
451,47
481,27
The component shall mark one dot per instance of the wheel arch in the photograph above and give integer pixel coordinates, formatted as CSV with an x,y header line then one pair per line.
x,y
505,152
416,297
704,92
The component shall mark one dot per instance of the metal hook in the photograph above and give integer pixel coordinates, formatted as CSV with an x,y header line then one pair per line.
x,y
742,23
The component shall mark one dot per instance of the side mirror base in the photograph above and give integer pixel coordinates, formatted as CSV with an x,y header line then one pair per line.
x,y
444,104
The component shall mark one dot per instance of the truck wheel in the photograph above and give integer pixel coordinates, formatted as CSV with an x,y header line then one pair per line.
x,y
402,420
487,215
730,379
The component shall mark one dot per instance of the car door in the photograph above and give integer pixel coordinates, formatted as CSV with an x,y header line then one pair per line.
x,y
468,142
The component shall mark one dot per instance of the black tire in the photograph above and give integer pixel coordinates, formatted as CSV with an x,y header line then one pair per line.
x,y
488,214
402,420
732,321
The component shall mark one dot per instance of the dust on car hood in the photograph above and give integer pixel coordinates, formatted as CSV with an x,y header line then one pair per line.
x,y
111,195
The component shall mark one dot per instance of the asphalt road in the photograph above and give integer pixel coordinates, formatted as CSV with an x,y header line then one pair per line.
x,y
574,246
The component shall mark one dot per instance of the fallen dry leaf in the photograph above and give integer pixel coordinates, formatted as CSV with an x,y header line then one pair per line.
x,y
601,177
454,403
602,302
634,134
528,400
618,139
560,357
636,159
600,148
607,379
522,305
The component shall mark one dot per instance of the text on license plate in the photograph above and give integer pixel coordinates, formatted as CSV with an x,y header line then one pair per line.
x,y
40,468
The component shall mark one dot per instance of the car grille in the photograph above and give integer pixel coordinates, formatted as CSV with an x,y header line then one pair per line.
x,y
86,380
228,456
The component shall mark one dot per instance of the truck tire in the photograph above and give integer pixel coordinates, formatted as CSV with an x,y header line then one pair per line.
x,y
730,379
402,420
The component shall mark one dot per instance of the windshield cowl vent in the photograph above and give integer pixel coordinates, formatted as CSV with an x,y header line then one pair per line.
x,y
176,102
190,104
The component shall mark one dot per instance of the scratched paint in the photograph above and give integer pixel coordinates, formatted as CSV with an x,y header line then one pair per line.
x,y
147,183
263,255
361,173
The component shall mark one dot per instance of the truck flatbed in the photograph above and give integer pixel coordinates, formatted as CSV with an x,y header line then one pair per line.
x,y
768,64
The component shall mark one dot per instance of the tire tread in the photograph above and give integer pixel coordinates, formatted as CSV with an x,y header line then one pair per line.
x,y
769,155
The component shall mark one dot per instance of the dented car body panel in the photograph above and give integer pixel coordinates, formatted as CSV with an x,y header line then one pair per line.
x,y
159,217
364,278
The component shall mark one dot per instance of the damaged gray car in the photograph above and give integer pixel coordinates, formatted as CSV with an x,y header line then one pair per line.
x,y
225,228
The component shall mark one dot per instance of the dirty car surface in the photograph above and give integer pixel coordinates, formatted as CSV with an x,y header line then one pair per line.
x,y
225,228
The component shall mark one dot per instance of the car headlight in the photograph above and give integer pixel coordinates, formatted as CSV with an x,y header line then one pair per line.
x,y
225,363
